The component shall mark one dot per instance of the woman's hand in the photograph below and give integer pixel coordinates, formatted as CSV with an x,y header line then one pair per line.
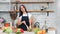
x,y
18,24
30,27
24,22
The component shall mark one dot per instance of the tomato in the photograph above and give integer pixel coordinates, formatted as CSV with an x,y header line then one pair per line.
x,y
21,30
7,24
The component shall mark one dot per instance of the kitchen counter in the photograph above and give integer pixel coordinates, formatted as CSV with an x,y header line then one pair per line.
x,y
22,33
50,31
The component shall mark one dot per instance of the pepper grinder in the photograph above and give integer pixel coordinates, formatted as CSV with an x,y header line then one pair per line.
x,y
45,27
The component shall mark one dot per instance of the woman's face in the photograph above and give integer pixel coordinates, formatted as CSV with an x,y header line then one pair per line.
x,y
22,9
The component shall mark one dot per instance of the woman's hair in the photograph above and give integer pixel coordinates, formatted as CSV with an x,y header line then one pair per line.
x,y
20,11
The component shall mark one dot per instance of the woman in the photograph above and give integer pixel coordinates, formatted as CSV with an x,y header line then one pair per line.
x,y
25,19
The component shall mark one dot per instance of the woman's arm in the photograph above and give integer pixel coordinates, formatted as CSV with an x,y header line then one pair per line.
x,y
30,21
19,21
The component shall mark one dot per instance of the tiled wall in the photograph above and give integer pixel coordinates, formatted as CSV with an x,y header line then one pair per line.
x,y
5,7
4,0
6,16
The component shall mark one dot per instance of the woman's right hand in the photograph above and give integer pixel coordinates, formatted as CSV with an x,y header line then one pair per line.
x,y
18,24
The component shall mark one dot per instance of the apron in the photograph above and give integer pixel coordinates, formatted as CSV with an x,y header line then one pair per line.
x,y
23,26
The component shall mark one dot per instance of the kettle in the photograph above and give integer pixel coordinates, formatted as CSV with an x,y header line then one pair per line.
x,y
37,24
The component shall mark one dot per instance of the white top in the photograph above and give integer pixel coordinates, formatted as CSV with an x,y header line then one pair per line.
x,y
29,15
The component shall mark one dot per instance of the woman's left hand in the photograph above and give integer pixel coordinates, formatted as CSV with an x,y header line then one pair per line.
x,y
30,27
24,22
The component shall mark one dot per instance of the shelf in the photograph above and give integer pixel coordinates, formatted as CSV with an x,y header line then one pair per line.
x,y
24,2
27,2
41,11
5,11
29,11
5,2
30,2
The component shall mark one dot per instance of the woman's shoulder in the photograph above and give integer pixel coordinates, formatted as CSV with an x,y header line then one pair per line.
x,y
20,17
29,13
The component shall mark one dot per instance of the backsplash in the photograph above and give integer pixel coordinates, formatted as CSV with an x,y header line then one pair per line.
x,y
38,16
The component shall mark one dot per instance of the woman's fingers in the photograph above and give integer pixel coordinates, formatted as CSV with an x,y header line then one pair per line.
x,y
27,27
30,27
24,22
18,24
